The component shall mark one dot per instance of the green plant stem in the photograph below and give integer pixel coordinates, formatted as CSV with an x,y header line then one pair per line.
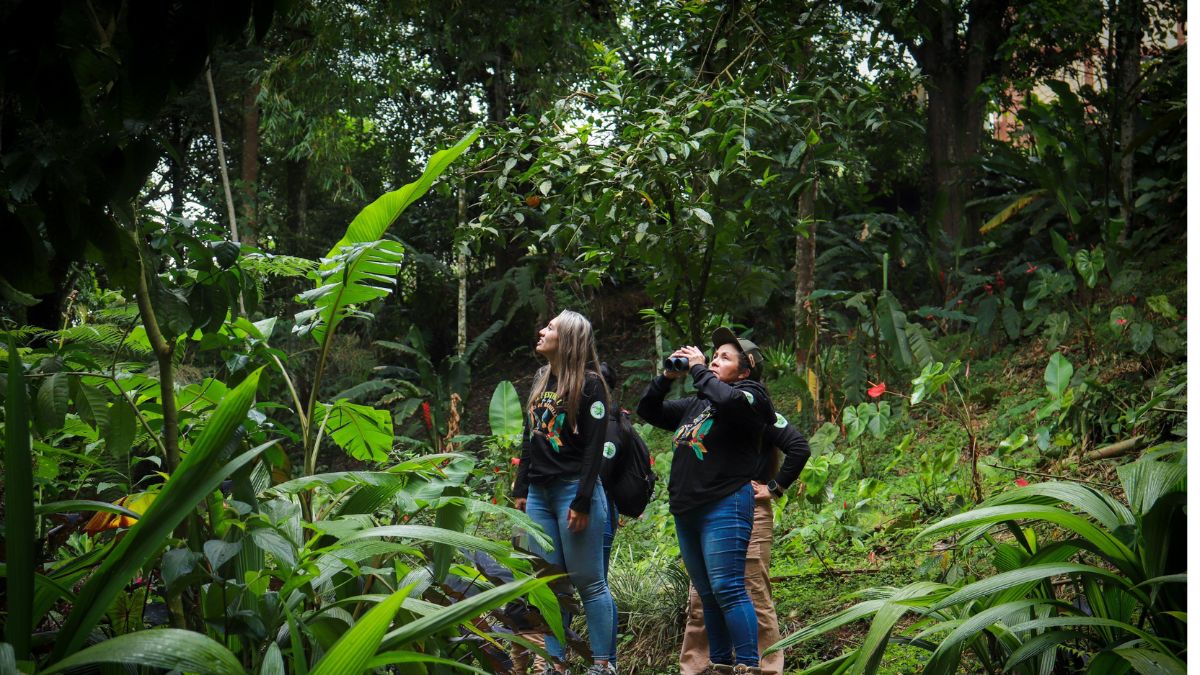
x,y
163,351
295,399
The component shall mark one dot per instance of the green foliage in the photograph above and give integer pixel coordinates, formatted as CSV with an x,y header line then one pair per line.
x,y
1009,619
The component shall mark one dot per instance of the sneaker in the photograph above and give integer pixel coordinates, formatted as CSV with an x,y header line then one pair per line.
x,y
549,670
742,669
605,669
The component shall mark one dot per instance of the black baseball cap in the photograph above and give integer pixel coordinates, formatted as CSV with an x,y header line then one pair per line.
x,y
725,336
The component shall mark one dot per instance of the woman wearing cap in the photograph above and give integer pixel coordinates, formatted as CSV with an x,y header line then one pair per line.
x,y
557,478
717,454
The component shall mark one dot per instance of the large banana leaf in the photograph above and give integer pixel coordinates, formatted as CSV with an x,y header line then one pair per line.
x,y
166,648
350,277
375,219
362,266
197,475
362,431
353,651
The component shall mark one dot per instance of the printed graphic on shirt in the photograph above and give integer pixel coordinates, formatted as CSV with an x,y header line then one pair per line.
x,y
780,421
692,434
598,410
548,419
610,450
749,397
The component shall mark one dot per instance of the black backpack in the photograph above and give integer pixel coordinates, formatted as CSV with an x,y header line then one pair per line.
x,y
632,485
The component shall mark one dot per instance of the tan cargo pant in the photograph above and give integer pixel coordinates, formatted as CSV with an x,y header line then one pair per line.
x,y
693,656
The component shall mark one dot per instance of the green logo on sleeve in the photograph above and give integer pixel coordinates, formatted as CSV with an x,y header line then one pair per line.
x,y
780,421
598,410
749,397
610,450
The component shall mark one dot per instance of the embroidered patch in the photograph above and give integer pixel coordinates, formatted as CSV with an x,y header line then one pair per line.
x,y
610,450
598,410
749,397
780,421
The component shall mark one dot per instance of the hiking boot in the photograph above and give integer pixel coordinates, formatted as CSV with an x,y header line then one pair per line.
x,y
602,669
742,669
717,669
549,670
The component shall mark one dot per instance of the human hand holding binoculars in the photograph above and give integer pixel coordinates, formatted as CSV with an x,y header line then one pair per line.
x,y
681,361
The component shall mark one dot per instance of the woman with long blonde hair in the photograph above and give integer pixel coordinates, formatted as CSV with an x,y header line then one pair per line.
x,y
557,480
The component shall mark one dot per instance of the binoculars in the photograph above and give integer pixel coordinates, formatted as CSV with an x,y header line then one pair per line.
x,y
675,363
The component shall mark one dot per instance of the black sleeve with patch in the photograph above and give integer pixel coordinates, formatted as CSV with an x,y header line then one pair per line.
x,y
795,449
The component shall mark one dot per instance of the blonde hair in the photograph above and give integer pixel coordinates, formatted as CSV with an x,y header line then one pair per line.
x,y
576,346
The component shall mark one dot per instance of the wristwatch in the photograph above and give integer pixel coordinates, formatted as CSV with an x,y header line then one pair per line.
x,y
774,488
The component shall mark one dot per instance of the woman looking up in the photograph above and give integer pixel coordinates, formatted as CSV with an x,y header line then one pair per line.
x,y
717,454
565,422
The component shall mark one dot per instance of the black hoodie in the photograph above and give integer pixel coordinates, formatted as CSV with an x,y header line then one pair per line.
x,y
717,435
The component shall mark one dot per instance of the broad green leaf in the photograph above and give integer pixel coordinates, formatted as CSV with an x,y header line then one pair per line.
x,y
855,420
348,279
1147,481
1015,441
1011,210
22,550
703,216
945,659
1151,662
451,516
1061,248
1159,304
1058,375
362,431
197,475
373,221
353,651
1012,321
272,663
504,413
1025,575
463,610
1141,334
71,505
165,648
52,400
1085,621
436,535
1089,264
1038,644
870,653
1101,541
892,326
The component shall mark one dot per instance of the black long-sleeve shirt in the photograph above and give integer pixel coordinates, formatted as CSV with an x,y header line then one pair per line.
x,y
718,435
781,434
550,449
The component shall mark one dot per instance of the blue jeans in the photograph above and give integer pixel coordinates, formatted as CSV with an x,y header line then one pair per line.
x,y
713,539
581,554
609,534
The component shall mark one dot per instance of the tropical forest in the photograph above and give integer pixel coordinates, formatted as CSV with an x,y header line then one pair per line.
x,y
873,313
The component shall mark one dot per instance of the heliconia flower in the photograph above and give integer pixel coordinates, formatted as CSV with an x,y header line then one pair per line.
x,y
876,390
1031,268
515,461
1021,482
425,413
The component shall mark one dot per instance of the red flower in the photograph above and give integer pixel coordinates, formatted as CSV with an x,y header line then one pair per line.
x,y
651,461
876,390
871,557
999,280
846,505
870,356
1122,322
1031,268
1132,299
493,500
988,288
1021,482
496,469
426,415
516,461
960,301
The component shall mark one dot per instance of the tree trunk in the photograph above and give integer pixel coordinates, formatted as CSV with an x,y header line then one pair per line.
x,y
297,203
177,169
1130,18
250,143
804,323
956,66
